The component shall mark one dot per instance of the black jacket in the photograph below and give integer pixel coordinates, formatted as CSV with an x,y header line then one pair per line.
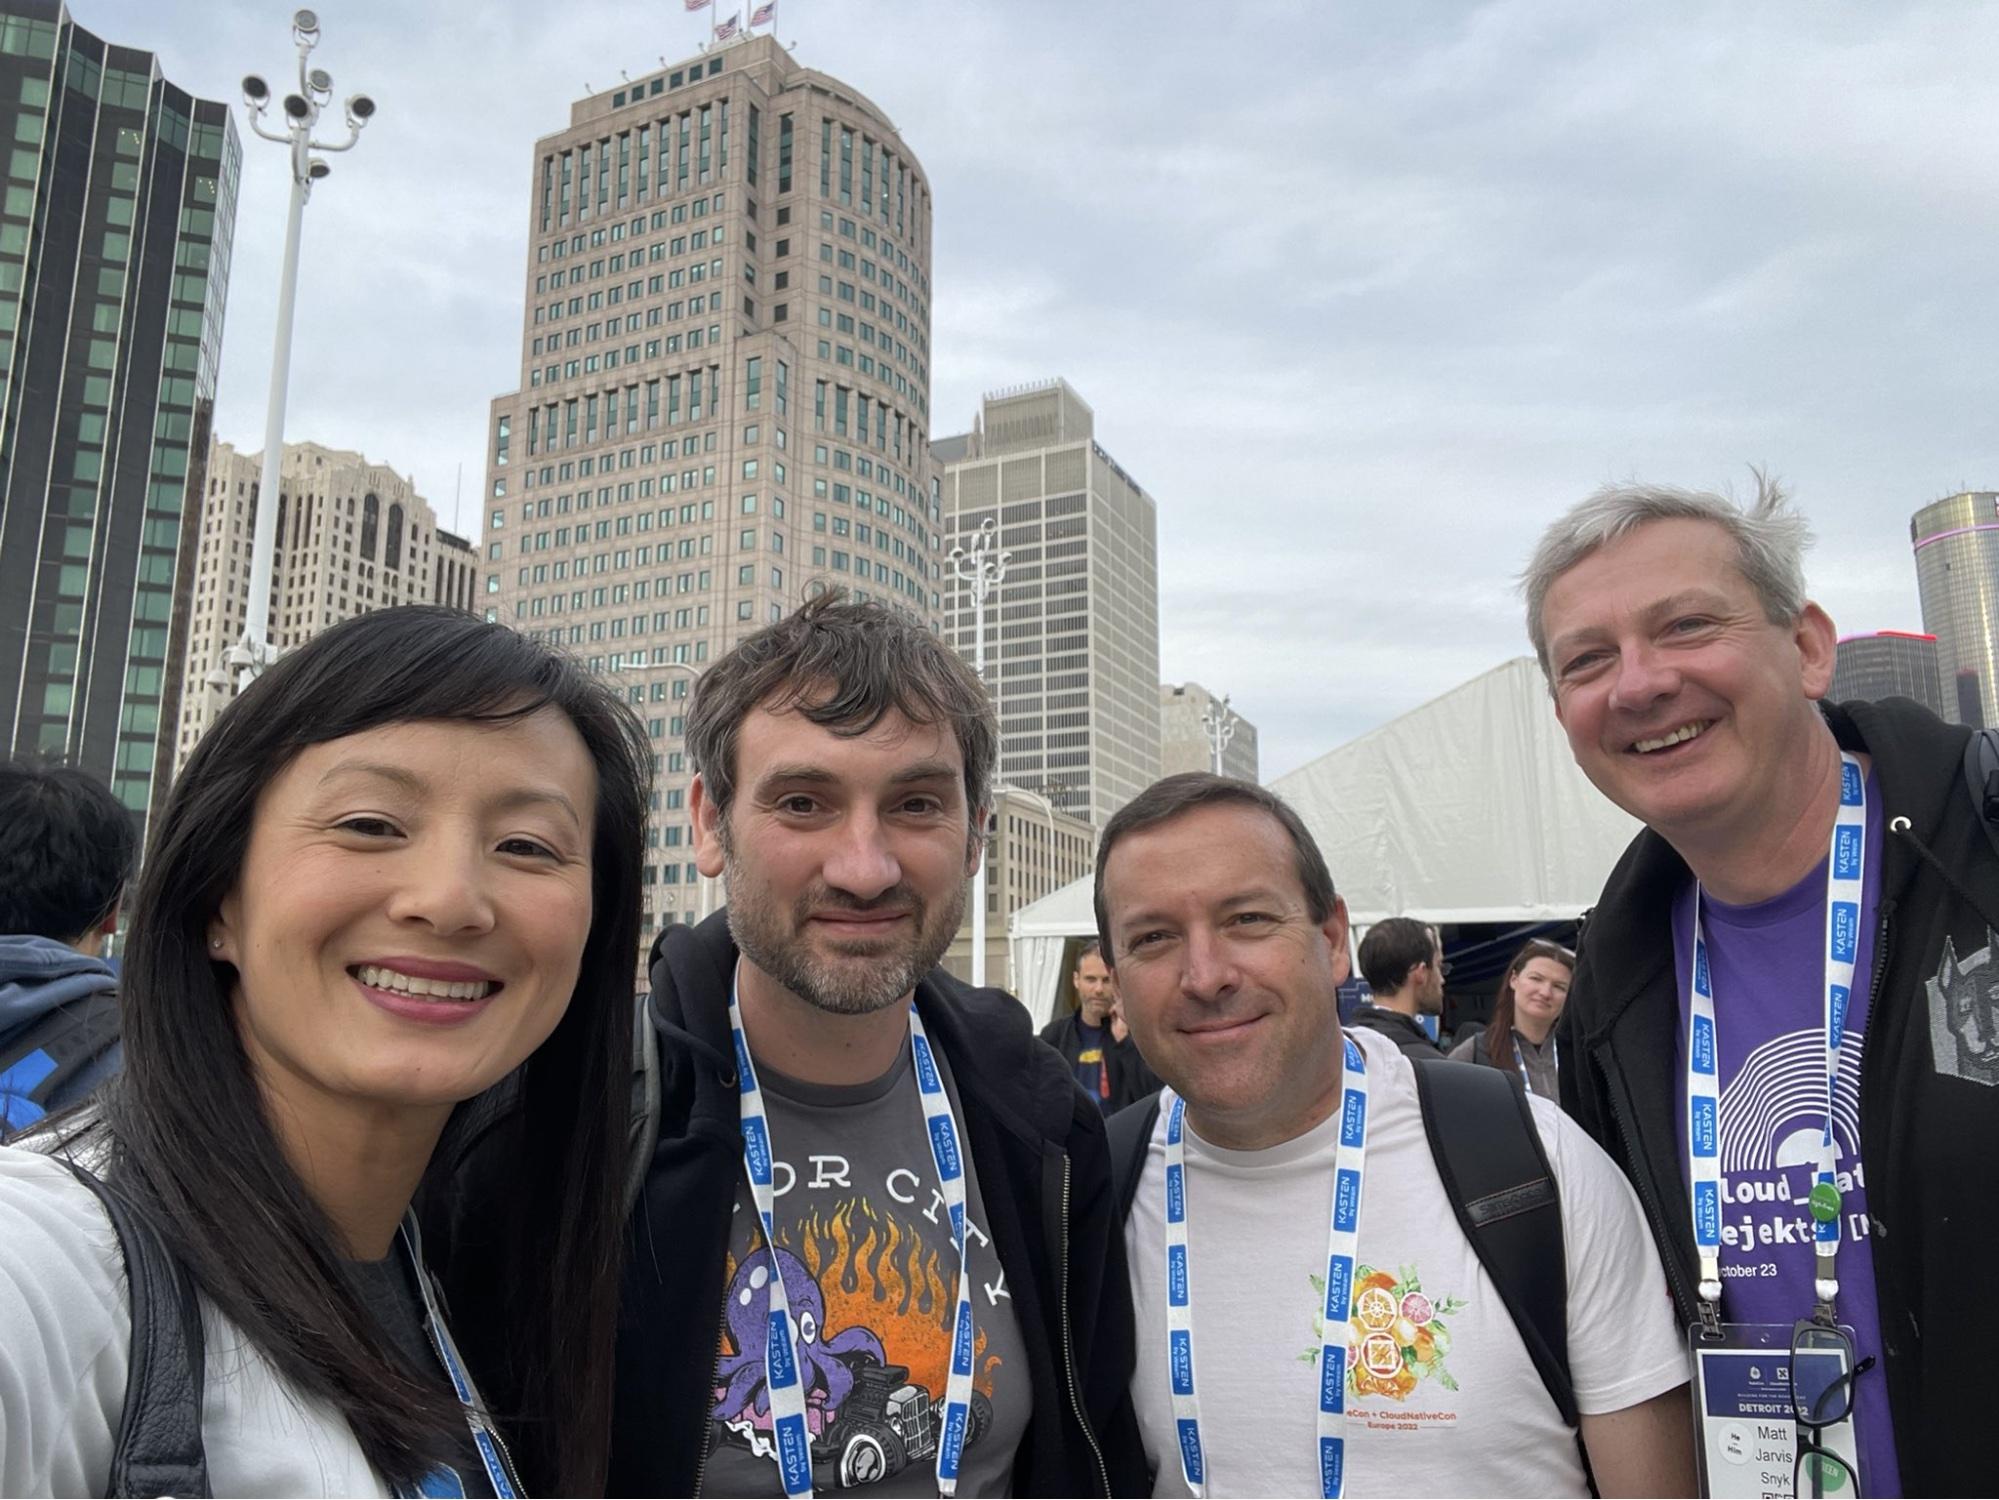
x,y
1412,1039
1130,1079
1927,1131
1044,1174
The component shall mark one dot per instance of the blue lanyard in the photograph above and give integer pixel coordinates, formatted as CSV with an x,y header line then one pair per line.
x,y
781,1377
1349,1169
492,1452
1845,862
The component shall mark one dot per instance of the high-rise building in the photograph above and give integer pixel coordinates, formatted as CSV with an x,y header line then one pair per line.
x,y
352,536
724,386
1957,574
1072,633
115,231
1889,664
1034,850
457,580
1184,741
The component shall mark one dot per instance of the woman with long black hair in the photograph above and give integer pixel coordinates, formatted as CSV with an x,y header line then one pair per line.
x,y
401,869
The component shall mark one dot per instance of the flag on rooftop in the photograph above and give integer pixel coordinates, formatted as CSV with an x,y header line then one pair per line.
x,y
763,13
699,4
729,27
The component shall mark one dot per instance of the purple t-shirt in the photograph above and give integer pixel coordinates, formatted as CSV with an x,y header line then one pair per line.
x,y
1767,964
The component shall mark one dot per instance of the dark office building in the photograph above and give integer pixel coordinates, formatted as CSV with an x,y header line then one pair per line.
x,y
115,222
1889,664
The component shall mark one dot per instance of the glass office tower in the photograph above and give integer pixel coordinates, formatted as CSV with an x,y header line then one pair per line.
x,y
119,203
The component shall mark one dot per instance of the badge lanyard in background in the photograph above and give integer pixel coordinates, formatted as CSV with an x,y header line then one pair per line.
x,y
1520,1059
785,1388
1349,1166
1844,864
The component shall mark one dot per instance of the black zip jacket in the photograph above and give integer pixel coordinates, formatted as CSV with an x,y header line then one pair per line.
x,y
1130,1079
1044,1173
1927,1131
1409,1038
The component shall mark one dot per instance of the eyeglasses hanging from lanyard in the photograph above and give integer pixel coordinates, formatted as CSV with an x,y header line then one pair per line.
x,y
1845,862
1342,1247
785,1389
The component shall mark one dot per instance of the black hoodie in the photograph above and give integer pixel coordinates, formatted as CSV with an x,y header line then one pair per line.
x,y
1927,1130
1044,1172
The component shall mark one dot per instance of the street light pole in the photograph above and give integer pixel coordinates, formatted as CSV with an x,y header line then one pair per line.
x,y
980,569
301,113
1220,722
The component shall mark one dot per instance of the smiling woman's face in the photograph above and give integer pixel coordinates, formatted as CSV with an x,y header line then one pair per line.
x,y
412,911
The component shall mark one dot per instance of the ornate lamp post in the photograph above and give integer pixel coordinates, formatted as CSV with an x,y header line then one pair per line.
x,y
1220,722
253,653
980,569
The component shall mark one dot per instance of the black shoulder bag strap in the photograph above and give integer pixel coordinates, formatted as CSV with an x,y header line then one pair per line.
x,y
1981,780
1130,1131
159,1449
1495,1173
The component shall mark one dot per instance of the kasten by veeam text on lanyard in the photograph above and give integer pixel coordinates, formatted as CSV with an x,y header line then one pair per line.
x,y
1845,862
1342,1247
786,1391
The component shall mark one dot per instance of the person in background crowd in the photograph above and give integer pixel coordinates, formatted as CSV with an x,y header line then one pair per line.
x,y
1107,1065
1402,961
1797,950
66,852
1229,945
400,866
1521,1034
798,1312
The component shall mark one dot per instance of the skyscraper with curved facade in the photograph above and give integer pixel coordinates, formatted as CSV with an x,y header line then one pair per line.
x,y
1957,574
724,395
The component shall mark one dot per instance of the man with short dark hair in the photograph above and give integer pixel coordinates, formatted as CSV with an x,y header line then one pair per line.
x,y
66,852
1272,1359
800,1311
1402,961
1783,1022
1107,1066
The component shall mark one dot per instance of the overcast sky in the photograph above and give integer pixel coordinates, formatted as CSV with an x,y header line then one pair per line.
x,y
1363,294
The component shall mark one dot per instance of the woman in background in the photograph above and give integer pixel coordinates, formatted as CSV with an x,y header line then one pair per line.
x,y
1521,1034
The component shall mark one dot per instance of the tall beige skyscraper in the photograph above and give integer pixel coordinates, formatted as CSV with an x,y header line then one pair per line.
x,y
352,536
724,386
1072,633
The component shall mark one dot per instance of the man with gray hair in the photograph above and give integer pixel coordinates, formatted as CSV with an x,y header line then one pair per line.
x,y
1782,1023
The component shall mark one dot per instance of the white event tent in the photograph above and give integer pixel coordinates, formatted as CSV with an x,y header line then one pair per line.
x,y
1467,809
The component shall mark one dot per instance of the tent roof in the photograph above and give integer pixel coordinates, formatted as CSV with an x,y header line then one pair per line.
x,y
1467,809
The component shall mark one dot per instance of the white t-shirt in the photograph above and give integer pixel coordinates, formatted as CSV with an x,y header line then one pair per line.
x,y
1442,1398
65,1346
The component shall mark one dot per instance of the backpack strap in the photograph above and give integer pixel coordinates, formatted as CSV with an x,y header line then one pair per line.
x,y
159,1449
1981,780
41,1060
1130,1131
642,1136
1495,1172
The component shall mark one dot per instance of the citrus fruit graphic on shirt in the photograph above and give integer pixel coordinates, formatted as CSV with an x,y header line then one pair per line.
x,y
1398,1334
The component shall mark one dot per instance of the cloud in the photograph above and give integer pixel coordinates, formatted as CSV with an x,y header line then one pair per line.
x,y
1362,294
